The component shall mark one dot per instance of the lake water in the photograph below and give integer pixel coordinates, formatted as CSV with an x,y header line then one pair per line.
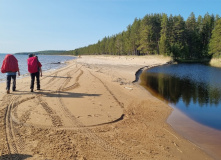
x,y
194,89
194,92
48,62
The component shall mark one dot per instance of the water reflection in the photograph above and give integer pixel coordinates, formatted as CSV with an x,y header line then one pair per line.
x,y
194,89
173,88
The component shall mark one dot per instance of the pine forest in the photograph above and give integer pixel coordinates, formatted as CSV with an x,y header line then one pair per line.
x,y
192,39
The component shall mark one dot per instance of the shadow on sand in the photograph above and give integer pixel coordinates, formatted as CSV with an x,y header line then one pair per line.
x,y
66,94
14,156
57,94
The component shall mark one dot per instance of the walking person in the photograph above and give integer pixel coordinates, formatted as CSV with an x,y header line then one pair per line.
x,y
10,67
34,68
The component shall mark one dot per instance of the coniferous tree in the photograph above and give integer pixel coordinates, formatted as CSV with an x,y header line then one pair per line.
x,y
111,46
145,37
150,34
163,44
177,37
156,26
107,44
159,34
192,37
127,41
119,44
134,36
102,47
208,25
215,42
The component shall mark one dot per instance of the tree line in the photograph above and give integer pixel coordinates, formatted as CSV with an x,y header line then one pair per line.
x,y
194,38
46,52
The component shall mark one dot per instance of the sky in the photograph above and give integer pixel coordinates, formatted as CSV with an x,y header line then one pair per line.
x,y
38,25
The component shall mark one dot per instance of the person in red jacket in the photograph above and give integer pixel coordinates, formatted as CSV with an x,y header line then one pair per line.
x,y
10,67
34,68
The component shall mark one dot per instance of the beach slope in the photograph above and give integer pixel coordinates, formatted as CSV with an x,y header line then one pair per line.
x,y
90,110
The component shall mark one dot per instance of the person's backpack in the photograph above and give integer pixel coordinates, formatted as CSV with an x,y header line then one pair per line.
x,y
9,64
32,65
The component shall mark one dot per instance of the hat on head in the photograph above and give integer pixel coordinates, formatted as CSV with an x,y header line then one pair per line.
x,y
30,55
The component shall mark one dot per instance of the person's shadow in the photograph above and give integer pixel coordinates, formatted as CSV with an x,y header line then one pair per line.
x,y
14,156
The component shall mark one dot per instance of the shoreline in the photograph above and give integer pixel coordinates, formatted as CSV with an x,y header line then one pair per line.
x,y
49,62
91,91
62,64
208,139
191,130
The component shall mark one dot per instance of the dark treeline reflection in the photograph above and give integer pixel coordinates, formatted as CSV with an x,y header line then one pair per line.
x,y
174,89
194,89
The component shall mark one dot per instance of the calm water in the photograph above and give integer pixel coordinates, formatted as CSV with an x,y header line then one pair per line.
x,y
194,89
48,63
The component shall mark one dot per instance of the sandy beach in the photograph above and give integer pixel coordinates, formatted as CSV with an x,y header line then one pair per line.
x,y
90,110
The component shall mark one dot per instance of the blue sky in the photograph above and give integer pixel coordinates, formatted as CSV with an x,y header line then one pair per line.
x,y
36,25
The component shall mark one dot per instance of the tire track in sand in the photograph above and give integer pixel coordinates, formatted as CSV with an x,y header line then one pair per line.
x,y
11,137
13,141
56,120
88,132
91,135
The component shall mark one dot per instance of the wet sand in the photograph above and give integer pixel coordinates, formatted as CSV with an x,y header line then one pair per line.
x,y
207,138
90,109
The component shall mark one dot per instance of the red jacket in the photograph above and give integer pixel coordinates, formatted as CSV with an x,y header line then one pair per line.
x,y
33,64
10,64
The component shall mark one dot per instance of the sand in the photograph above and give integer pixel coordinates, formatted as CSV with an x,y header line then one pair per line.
x,y
90,110
215,62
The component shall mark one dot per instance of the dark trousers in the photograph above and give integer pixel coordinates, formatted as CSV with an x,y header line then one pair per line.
x,y
33,75
9,77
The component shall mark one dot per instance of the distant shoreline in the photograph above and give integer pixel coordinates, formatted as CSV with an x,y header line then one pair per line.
x,y
56,64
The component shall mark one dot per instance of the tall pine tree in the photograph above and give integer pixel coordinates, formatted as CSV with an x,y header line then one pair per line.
x,y
163,44
215,41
